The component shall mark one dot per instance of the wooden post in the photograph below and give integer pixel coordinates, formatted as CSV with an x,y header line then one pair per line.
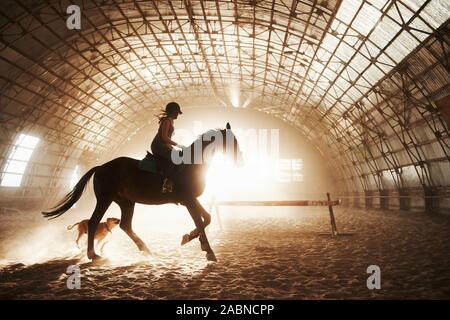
x,y
214,205
334,231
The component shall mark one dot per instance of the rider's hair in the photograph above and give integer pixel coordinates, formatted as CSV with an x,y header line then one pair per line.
x,y
162,115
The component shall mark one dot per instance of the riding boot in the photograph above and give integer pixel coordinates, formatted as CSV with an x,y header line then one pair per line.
x,y
168,180
167,186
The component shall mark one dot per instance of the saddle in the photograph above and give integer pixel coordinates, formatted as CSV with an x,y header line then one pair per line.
x,y
159,165
154,164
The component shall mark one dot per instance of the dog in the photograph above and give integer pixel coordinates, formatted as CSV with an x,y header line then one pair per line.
x,y
100,234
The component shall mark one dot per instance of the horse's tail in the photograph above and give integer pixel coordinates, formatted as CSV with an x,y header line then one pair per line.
x,y
72,226
73,196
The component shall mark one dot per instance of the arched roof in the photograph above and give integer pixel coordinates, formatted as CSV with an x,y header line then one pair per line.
x,y
360,79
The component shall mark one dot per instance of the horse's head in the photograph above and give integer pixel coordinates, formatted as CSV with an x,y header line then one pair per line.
x,y
204,147
230,145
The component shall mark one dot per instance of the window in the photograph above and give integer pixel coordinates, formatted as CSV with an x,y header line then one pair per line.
x,y
17,160
290,170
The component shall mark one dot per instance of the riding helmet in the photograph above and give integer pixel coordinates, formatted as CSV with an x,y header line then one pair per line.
x,y
173,108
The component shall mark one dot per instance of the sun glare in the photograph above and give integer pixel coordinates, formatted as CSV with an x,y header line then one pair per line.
x,y
225,180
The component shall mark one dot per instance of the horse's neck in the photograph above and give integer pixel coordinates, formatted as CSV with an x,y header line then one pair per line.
x,y
204,145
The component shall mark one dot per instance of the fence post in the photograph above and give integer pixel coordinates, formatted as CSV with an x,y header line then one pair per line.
x,y
334,231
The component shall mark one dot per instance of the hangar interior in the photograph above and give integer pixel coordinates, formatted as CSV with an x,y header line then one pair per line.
x,y
365,82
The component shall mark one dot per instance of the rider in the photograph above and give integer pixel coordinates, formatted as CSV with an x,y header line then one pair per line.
x,y
163,144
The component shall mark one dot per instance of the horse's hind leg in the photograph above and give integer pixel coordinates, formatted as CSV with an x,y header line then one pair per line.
x,y
100,209
127,208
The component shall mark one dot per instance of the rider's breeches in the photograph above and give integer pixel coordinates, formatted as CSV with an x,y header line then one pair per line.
x,y
165,151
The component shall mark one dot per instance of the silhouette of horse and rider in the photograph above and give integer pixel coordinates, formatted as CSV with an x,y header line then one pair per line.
x,y
124,182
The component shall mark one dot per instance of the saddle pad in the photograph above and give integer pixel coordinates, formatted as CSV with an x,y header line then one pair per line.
x,y
148,164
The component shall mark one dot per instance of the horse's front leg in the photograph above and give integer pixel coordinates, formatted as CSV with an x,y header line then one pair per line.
x,y
195,210
196,232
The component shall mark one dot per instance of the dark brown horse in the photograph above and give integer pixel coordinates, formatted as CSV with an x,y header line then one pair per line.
x,y
120,180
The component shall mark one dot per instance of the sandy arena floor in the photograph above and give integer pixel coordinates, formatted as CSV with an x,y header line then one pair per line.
x,y
277,255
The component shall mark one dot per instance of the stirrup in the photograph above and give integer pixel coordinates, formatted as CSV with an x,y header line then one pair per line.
x,y
167,186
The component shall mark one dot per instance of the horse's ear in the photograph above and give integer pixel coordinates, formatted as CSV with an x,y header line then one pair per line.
x,y
228,126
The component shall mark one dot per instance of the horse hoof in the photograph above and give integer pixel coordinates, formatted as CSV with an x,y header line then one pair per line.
x,y
185,239
211,257
146,253
94,257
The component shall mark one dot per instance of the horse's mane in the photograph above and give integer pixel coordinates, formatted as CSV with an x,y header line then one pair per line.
x,y
200,136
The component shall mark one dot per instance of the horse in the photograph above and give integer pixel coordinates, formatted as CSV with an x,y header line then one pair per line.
x,y
123,182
